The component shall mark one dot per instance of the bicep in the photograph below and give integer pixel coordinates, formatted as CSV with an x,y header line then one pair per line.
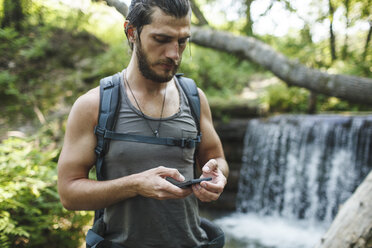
x,y
210,146
77,155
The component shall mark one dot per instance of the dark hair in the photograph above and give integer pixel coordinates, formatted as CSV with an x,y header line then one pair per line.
x,y
140,12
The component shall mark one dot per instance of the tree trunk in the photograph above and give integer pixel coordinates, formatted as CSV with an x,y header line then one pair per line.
x,y
311,107
345,47
121,7
352,226
368,39
12,14
351,88
332,38
354,89
248,30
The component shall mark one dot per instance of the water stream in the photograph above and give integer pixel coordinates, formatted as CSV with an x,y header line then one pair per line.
x,y
296,172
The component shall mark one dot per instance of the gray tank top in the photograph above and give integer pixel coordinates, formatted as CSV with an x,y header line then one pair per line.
x,y
141,222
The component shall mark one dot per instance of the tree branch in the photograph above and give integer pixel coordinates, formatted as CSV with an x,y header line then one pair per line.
x,y
198,14
121,7
355,89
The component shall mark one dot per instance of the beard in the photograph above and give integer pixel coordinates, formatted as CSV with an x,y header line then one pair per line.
x,y
144,66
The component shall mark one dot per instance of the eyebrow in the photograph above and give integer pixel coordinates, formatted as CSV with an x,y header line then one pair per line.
x,y
170,37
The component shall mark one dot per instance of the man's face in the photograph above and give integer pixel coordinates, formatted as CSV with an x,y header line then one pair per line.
x,y
161,44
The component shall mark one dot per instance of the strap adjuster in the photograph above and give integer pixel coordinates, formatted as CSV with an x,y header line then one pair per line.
x,y
99,131
183,142
108,84
99,151
188,143
198,138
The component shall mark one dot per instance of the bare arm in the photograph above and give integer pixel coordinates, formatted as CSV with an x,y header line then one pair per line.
x,y
210,157
76,191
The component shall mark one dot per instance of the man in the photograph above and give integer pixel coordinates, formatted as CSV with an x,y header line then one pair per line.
x,y
142,208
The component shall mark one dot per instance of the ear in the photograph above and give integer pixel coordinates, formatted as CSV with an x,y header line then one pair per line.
x,y
129,31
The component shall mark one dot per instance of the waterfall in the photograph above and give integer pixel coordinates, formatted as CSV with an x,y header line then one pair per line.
x,y
303,167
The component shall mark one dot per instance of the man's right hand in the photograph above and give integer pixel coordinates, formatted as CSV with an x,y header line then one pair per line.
x,y
152,184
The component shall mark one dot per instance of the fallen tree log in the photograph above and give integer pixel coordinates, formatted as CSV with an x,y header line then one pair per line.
x,y
292,72
352,227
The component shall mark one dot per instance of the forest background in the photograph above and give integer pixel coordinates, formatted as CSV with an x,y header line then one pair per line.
x,y
52,51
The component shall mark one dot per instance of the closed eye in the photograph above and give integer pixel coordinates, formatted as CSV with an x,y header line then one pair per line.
x,y
161,39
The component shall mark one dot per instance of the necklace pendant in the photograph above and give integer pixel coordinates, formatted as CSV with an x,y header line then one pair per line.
x,y
156,133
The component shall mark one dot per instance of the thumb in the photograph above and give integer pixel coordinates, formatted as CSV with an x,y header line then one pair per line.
x,y
210,166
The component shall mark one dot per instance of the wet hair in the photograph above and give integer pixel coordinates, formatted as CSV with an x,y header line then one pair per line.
x,y
140,12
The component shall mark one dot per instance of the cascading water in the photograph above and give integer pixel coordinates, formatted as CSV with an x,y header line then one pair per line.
x,y
300,169
303,167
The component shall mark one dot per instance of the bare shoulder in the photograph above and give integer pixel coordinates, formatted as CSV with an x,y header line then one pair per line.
x,y
87,103
201,93
85,108
204,105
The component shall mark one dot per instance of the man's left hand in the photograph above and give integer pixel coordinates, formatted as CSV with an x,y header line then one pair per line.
x,y
208,191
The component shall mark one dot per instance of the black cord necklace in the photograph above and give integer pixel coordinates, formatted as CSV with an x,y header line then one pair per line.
x,y
156,131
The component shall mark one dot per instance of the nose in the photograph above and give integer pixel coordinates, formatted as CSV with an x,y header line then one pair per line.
x,y
173,51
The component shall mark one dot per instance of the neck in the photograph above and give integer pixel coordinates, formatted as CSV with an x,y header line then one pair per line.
x,y
139,82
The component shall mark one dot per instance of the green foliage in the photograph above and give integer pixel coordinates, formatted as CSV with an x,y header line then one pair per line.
x,y
8,83
113,60
43,65
299,46
37,50
281,98
30,211
217,73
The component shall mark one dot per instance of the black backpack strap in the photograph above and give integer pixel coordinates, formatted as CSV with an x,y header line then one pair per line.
x,y
108,107
168,141
189,87
191,91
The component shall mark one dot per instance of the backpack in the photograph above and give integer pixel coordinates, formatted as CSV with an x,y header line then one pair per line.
x,y
108,110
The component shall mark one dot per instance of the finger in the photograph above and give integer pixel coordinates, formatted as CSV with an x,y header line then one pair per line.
x,y
170,172
169,191
212,187
210,166
184,193
174,189
206,197
166,196
174,192
203,194
197,192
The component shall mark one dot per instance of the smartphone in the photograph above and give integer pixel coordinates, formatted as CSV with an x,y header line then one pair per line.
x,y
188,183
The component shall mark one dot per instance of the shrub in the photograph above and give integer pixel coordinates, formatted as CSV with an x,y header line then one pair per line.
x,y
30,211
281,98
217,73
